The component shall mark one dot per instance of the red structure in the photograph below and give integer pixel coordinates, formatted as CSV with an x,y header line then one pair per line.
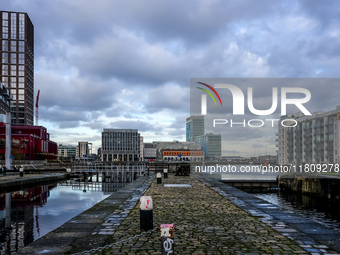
x,y
29,143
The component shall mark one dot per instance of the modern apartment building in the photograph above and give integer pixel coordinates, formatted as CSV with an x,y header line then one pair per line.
x,y
194,127
211,145
121,145
17,64
82,150
310,139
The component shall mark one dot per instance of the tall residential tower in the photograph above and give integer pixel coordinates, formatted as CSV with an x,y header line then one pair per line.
x,y
17,64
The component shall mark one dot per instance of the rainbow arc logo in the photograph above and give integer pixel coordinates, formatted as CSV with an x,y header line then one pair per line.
x,y
209,93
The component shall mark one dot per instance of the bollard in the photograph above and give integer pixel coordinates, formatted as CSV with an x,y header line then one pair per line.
x,y
165,171
159,178
21,170
167,238
146,213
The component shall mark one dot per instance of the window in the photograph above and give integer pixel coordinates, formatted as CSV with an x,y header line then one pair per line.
x,y
13,18
5,15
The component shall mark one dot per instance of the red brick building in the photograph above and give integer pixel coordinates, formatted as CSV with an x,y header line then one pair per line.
x,y
28,143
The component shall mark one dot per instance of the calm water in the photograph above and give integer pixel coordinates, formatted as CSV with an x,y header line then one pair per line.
x,y
319,210
39,210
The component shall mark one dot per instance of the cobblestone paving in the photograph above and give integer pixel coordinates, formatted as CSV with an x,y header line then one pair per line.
x,y
205,223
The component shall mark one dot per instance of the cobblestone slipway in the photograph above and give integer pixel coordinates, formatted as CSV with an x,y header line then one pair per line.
x,y
205,223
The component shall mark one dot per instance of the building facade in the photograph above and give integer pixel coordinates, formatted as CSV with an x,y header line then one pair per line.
x,y
4,100
29,143
211,145
17,64
183,155
194,127
310,139
121,145
67,152
150,151
175,145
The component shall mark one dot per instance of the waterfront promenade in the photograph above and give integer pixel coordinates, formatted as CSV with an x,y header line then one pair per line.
x,y
209,218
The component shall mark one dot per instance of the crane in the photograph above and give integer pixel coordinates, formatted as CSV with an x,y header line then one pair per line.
x,y
36,108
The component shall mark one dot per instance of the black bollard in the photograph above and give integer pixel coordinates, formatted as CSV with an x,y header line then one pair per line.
x,y
21,170
165,172
146,213
159,178
167,238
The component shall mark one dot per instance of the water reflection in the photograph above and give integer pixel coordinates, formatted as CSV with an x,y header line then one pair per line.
x,y
27,215
318,209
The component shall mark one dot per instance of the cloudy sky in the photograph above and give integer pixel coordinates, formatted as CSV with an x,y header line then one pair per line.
x,y
127,64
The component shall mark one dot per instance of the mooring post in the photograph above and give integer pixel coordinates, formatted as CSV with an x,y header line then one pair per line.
x,y
167,238
8,204
159,178
165,171
146,213
21,170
